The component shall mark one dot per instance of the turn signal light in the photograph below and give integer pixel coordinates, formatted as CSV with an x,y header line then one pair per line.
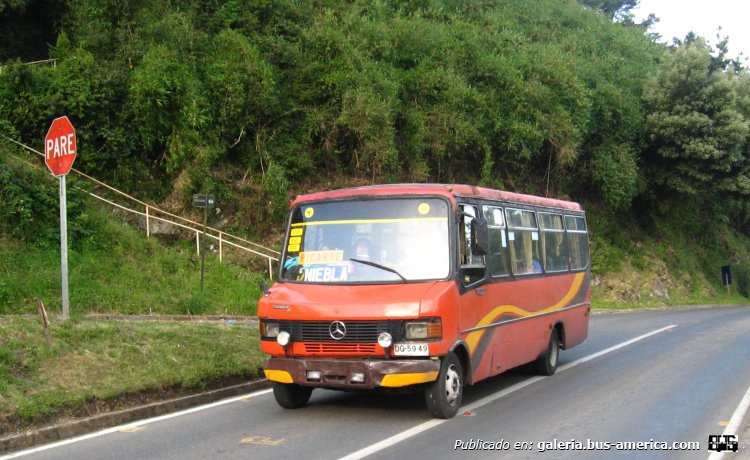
x,y
424,330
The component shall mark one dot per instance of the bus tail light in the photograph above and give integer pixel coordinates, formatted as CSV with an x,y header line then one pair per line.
x,y
424,329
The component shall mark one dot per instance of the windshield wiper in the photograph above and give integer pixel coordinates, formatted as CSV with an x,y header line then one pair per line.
x,y
382,267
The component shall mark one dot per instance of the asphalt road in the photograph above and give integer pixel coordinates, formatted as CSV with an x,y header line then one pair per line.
x,y
678,384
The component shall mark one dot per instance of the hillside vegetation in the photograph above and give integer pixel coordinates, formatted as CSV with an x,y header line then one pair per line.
x,y
258,101
113,268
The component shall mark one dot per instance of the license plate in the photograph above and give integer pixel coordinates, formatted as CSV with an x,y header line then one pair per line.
x,y
411,349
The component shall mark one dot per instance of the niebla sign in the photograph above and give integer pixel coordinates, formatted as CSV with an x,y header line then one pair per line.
x,y
60,146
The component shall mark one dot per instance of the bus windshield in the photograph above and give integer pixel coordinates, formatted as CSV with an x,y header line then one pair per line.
x,y
370,240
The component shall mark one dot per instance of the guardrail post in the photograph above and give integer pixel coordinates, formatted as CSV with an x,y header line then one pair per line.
x,y
197,243
148,226
270,269
220,248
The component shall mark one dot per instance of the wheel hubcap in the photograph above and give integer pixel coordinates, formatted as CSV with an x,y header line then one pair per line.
x,y
452,384
553,355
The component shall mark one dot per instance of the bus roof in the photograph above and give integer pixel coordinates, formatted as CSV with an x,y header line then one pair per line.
x,y
448,190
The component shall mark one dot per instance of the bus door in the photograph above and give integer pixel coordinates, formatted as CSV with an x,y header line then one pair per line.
x,y
476,300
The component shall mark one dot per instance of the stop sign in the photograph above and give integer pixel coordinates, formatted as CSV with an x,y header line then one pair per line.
x,y
60,146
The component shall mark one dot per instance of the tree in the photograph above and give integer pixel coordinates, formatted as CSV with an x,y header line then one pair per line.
x,y
695,135
28,26
612,9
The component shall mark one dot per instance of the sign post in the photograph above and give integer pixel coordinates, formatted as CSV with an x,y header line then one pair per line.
x,y
726,277
204,202
60,151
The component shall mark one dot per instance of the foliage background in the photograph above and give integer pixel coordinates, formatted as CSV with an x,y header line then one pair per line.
x,y
499,92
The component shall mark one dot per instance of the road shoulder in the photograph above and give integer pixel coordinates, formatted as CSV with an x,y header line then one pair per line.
x,y
97,422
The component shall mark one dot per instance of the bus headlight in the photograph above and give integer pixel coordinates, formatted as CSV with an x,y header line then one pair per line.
x,y
416,330
283,338
269,329
385,340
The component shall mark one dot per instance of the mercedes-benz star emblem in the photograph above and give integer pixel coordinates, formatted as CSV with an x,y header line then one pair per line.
x,y
337,330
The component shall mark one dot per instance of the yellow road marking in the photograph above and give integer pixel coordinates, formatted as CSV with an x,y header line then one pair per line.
x,y
262,440
132,429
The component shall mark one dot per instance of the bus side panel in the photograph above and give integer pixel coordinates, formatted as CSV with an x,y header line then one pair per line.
x,y
527,340
473,306
576,326
510,324
576,319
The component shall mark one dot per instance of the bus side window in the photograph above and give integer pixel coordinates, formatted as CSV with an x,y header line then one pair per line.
x,y
498,258
554,247
578,242
523,236
472,265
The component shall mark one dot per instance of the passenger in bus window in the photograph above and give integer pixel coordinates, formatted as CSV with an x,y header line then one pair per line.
x,y
536,266
363,249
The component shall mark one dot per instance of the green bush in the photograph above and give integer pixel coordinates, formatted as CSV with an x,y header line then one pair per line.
x,y
741,279
277,188
196,304
31,208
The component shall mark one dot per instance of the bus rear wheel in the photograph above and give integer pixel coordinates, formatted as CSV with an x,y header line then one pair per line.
x,y
291,396
547,363
444,395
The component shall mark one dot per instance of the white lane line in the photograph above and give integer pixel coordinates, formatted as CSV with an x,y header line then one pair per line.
x,y
132,425
734,423
378,446
615,347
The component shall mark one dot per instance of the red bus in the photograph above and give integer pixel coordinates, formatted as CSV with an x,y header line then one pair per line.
x,y
431,287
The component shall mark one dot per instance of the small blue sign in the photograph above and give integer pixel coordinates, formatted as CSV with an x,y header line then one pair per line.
x,y
726,275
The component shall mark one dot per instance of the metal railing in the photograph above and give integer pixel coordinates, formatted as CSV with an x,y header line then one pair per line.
x,y
52,62
153,213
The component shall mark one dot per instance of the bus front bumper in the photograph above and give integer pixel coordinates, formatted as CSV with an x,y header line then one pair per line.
x,y
351,373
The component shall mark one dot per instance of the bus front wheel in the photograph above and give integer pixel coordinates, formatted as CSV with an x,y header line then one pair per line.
x,y
547,363
444,395
291,396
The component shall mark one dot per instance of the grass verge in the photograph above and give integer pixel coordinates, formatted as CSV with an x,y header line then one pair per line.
x,y
131,276
92,364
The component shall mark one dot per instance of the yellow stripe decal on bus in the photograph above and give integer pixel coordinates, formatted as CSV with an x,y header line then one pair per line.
x,y
402,380
278,376
474,337
370,221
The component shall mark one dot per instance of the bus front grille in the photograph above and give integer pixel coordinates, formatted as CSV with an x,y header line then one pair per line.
x,y
360,348
320,331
